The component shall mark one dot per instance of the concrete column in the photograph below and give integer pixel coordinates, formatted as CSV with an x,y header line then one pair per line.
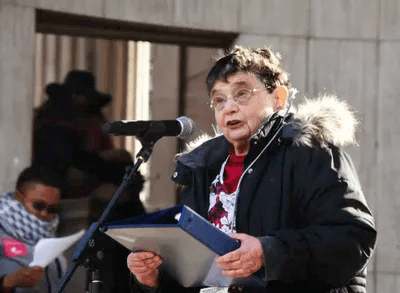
x,y
119,70
50,59
39,72
101,69
142,107
17,59
66,53
163,105
131,94
81,51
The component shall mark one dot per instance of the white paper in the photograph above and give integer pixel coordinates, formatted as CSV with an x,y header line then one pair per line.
x,y
214,290
47,249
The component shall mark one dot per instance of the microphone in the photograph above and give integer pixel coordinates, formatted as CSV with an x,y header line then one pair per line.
x,y
182,127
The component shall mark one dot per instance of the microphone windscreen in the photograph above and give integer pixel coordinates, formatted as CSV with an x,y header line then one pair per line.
x,y
187,127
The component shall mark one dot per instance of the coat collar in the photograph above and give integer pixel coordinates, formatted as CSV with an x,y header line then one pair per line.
x,y
214,150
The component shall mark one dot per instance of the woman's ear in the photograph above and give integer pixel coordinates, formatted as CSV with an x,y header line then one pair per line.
x,y
280,98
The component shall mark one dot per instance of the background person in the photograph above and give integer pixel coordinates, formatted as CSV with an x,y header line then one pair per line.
x,y
26,216
68,137
279,182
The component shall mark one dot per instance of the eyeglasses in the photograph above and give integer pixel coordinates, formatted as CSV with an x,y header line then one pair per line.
x,y
41,205
240,96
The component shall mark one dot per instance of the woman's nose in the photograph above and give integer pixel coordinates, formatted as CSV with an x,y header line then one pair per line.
x,y
230,104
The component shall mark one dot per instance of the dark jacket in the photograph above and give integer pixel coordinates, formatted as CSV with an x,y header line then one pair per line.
x,y
300,196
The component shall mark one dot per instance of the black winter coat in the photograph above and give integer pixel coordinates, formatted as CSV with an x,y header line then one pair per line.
x,y
301,197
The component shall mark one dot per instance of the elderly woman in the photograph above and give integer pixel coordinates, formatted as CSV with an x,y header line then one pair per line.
x,y
278,181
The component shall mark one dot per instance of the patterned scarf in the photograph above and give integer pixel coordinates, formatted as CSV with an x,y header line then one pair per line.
x,y
21,224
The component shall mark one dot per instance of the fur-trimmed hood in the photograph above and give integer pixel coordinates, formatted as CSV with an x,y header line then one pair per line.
x,y
325,119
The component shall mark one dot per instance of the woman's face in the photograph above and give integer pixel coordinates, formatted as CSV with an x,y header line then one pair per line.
x,y
238,122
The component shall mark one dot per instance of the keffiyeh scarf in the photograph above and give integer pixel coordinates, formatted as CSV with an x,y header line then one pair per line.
x,y
22,225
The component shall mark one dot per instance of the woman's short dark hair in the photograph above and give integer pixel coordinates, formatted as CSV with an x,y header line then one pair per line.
x,y
262,62
39,175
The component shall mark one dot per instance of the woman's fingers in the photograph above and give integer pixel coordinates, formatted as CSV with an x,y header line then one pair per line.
x,y
144,266
140,262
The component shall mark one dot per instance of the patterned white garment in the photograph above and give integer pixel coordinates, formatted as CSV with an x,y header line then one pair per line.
x,y
221,211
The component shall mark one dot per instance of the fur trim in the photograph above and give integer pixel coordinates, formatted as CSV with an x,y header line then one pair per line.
x,y
325,119
198,141
191,145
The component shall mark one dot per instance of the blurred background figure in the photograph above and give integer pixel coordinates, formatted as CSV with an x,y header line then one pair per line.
x,y
68,138
27,215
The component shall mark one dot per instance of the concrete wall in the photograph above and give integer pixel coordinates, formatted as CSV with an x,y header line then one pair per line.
x,y
17,53
347,47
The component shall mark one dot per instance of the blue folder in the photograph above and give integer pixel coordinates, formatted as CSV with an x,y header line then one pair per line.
x,y
187,242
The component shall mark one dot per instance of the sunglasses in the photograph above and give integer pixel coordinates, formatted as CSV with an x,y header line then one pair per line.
x,y
41,205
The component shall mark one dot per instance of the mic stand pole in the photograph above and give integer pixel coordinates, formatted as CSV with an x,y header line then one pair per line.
x,y
87,253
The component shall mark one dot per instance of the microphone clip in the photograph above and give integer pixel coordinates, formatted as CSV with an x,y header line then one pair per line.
x,y
149,138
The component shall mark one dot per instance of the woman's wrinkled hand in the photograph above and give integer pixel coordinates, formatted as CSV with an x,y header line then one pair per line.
x,y
245,260
144,265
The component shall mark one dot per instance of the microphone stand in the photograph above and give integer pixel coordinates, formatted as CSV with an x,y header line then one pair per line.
x,y
88,253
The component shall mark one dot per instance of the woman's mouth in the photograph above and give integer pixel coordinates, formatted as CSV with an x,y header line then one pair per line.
x,y
233,123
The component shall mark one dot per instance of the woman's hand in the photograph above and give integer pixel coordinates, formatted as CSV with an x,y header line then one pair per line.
x,y
144,265
245,260
24,277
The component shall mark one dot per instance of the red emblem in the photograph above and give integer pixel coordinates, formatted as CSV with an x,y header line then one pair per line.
x,y
14,248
